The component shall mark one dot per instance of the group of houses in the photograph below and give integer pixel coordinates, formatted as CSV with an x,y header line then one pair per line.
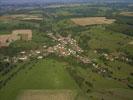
x,y
66,43
120,56
66,46
61,49
25,35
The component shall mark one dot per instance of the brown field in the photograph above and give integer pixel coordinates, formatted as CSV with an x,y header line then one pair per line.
x,y
127,14
47,95
92,21
62,5
5,40
21,17
5,17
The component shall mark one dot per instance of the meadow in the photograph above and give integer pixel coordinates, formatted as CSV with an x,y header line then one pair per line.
x,y
44,75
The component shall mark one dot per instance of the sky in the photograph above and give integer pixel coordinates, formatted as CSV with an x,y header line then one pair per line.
x,y
48,1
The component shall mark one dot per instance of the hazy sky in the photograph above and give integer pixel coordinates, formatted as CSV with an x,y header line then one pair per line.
x,y
40,0
47,1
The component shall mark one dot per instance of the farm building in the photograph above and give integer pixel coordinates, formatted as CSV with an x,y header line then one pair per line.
x,y
25,35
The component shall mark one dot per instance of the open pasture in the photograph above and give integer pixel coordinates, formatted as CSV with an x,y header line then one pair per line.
x,y
45,74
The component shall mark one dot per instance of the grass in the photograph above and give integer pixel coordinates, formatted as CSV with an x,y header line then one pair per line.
x,y
98,81
112,41
47,95
106,88
102,38
112,94
45,74
5,32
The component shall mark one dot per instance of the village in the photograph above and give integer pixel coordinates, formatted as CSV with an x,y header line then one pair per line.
x,y
66,46
63,47
113,56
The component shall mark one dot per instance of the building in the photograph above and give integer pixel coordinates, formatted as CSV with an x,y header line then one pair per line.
x,y
25,35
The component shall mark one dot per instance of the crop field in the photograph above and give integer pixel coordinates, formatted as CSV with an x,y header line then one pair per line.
x,y
130,14
47,95
92,21
22,17
131,43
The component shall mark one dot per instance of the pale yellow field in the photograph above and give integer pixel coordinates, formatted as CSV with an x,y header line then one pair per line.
x,y
21,17
47,95
131,43
92,21
127,14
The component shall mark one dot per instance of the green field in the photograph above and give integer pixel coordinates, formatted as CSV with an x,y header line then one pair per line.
x,y
45,74
106,88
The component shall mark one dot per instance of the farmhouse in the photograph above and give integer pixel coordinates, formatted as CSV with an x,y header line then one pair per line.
x,y
5,40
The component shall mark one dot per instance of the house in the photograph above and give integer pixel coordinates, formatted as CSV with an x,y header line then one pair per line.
x,y
23,58
40,57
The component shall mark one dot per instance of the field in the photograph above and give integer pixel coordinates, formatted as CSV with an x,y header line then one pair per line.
x,y
22,17
131,43
47,95
45,74
92,21
130,14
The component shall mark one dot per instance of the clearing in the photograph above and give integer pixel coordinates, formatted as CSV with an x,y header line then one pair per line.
x,y
92,21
